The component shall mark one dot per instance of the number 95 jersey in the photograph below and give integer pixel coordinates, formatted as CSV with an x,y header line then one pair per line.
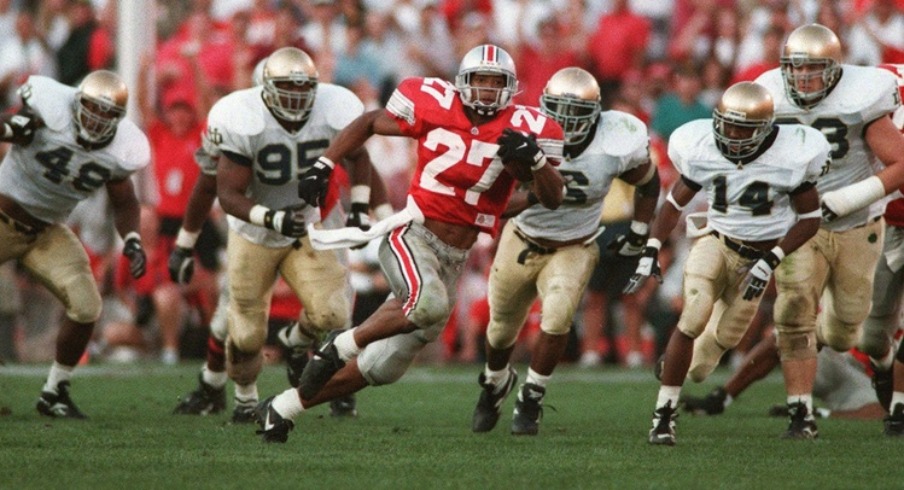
x,y
862,95
241,127
750,202
53,173
459,179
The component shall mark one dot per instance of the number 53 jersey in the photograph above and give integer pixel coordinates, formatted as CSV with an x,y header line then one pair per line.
x,y
862,95
53,173
750,202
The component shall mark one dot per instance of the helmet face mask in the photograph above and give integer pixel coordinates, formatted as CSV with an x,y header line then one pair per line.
x,y
486,60
99,105
572,99
742,120
290,84
811,64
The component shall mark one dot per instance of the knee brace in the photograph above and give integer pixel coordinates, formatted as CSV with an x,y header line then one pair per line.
x,y
796,345
242,367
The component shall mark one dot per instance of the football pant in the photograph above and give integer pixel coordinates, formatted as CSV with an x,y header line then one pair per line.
x,y
559,278
888,287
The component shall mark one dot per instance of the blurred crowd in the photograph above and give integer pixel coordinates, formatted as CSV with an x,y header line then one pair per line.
x,y
665,61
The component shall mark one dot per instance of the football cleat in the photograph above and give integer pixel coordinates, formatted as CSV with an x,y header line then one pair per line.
x,y
663,431
296,356
894,422
273,426
489,405
344,407
802,424
59,405
321,367
883,384
528,410
205,400
711,404
243,413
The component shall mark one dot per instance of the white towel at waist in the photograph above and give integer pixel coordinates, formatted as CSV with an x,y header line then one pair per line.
x,y
325,239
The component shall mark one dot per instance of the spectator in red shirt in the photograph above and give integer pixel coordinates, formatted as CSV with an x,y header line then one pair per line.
x,y
619,44
545,56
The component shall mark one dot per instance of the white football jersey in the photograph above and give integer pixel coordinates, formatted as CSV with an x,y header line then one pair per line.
x,y
621,142
862,95
49,176
241,125
750,202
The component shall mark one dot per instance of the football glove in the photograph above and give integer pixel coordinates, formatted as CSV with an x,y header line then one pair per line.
x,y
630,245
515,146
827,213
758,276
314,184
133,251
288,221
181,265
648,266
358,217
20,129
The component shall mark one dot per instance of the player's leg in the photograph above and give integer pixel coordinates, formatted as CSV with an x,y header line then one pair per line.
x,y
894,422
510,293
560,284
59,261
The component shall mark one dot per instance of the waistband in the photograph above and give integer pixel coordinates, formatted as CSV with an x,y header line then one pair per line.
x,y
745,251
532,247
21,227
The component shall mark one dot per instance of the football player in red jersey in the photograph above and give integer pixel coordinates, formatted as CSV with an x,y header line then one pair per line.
x,y
465,131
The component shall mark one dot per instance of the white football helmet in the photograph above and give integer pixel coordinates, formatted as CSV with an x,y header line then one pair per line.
x,y
257,75
811,44
486,59
290,83
572,99
99,105
747,109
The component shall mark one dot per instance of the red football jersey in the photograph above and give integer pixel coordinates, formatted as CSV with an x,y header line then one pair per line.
x,y
459,179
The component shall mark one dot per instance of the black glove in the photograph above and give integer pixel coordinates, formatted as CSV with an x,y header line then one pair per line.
x,y
314,183
288,221
22,128
630,245
827,213
648,266
518,147
758,276
359,217
138,260
181,265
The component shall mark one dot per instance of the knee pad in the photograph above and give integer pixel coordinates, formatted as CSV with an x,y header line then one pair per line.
x,y
559,305
331,315
242,367
840,337
432,306
385,361
796,345
502,335
247,327
707,354
82,300
698,309
875,340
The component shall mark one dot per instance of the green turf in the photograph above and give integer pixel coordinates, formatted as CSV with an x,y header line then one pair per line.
x,y
416,434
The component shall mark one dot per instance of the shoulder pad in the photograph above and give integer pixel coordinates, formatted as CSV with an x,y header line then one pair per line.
x,y
882,96
241,112
691,138
622,134
773,82
49,99
339,105
131,146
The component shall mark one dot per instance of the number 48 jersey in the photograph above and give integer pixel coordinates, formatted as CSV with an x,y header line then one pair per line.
x,y
459,179
53,173
750,202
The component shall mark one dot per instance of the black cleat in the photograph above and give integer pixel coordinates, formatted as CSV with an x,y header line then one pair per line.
x,y
344,407
894,422
663,431
296,355
321,367
528,410
273,427
802,425
205,400
59,405
489,405
711,404
243,413
883,384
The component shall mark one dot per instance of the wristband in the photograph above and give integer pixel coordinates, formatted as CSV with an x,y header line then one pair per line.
x,y
258,214
779,254
540,164
360,193
187,239
812,214
639,227
132,235
326,161
655,243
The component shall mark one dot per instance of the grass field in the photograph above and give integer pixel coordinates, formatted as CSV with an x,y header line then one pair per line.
x,y
416,434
